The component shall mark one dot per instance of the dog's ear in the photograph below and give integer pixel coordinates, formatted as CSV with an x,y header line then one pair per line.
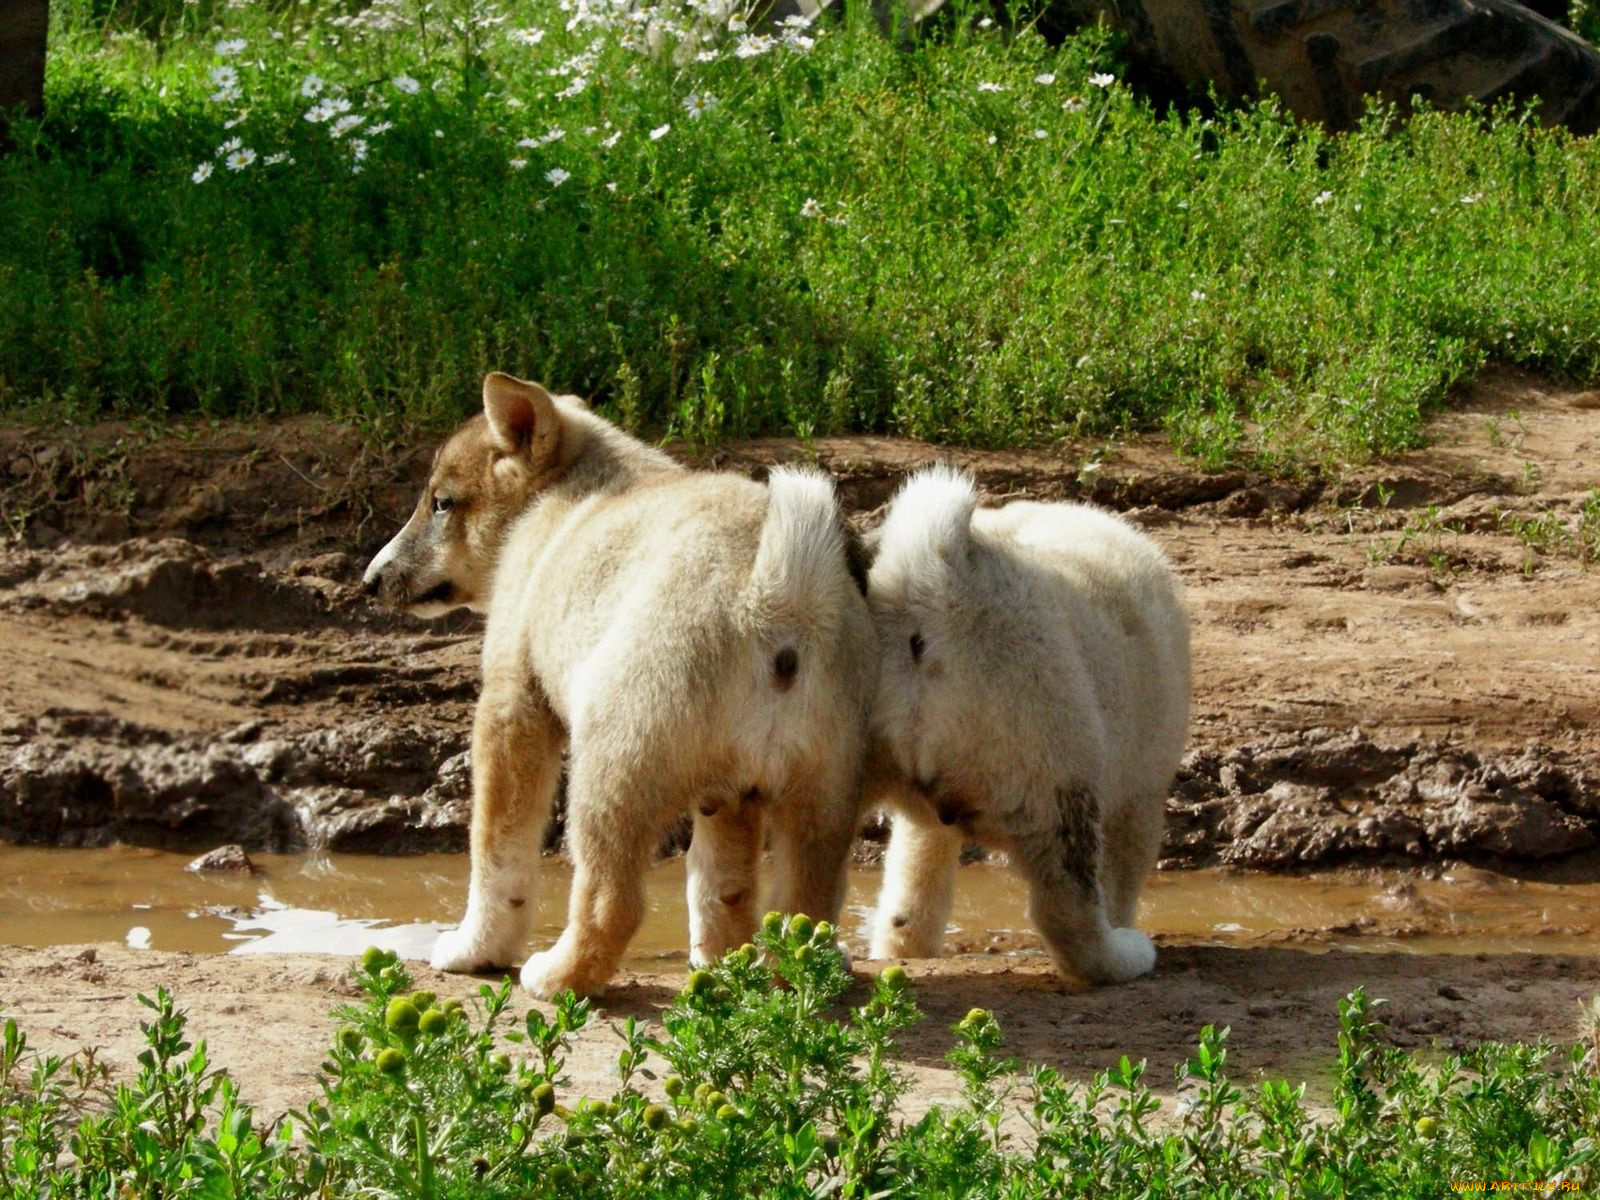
x,y
522,417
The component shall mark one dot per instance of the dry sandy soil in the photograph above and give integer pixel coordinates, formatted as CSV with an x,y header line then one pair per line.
x,y
1397,665
264,1017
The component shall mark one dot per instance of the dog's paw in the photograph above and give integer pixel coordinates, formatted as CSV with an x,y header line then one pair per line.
x,y
459,953
548,974
1129,954
844,955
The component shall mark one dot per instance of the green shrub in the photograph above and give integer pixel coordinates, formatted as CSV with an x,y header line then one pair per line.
x,y
968,236
777,1087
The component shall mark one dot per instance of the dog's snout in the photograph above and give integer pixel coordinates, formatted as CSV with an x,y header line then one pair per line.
x,y
372,583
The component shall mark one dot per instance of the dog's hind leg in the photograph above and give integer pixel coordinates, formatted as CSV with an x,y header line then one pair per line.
x,y
1133,844
919,884
516,763
722,865
813,824
614,820
1062,867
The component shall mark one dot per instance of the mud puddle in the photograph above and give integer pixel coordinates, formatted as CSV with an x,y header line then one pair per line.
x,y
341,903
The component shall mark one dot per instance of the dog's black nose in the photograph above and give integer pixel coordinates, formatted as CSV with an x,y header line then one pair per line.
x,y
372,584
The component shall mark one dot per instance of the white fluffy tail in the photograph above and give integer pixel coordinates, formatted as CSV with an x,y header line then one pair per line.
x,y
930,518
800,575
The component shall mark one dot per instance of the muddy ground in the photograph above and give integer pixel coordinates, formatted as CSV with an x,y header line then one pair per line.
x,y
1395,665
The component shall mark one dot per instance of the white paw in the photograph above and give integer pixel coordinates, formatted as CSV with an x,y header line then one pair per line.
x,y
545,975
844,955
905,943
460,953
1129,954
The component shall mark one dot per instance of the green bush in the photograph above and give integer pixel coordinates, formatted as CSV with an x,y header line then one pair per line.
x,y
970,236
773,1086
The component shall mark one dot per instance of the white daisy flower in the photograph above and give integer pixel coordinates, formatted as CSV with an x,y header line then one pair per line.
x,y
811,209
311,87
229,146
697,105
528,37
557,176
380,127
1103,79
1045,79
607,143
519,164
990,87
231,46
345,124
241,158
202,172
406,84
659,132
752,45
358,149
1321,198
1039,133
224,77
1472,198
273,160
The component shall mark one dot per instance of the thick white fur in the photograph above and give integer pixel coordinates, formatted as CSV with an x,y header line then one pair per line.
x,y
637,614
1046,715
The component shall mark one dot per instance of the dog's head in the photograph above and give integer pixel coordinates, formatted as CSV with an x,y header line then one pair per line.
x,y
484,477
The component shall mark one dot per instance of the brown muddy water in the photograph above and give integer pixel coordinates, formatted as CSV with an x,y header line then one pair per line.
x,y
339,904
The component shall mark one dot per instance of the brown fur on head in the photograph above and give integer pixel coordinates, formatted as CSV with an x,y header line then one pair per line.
x,y
484,477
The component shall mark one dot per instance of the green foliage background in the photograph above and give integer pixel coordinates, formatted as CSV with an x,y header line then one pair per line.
x,y
958,236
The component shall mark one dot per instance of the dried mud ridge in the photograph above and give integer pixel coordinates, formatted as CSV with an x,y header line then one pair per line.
x,y
1387,670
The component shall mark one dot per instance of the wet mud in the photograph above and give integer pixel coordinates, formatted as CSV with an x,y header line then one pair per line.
x,y
1396,664
1397,686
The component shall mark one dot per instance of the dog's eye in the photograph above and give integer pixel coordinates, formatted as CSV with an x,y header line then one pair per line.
x,y
443,504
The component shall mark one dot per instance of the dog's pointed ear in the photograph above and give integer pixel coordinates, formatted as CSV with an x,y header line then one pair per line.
x,y
522,417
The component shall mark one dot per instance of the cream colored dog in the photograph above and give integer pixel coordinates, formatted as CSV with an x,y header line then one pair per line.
x,y
695,641
1033,696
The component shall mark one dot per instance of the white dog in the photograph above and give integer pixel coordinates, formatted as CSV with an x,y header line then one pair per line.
x,y
1033,696
694,641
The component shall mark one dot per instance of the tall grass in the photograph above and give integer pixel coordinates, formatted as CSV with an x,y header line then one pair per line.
x,y
970,236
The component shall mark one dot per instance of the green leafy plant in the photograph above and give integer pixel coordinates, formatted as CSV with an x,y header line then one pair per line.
x,y
774,1074
716,230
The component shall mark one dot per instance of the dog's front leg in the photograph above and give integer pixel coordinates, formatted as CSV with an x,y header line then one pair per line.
x,y
722,877
516,763
919,883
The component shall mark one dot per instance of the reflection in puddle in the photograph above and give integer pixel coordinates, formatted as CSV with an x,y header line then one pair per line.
x,y
340,904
